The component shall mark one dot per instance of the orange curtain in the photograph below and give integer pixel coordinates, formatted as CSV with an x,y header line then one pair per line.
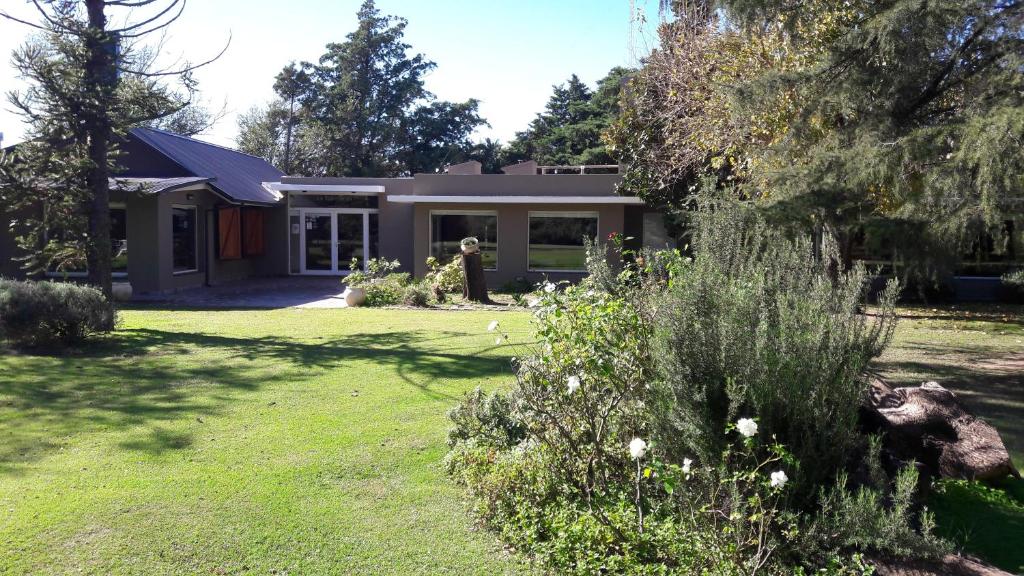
x,y
252,231
230,234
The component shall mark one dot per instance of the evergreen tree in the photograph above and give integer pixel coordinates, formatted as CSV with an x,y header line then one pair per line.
x,y
569,131
362,109
90,83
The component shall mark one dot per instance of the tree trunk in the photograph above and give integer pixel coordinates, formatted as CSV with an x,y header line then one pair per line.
x,y
288,136
100,82
474,285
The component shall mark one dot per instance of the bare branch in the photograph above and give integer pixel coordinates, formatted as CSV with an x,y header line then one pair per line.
x,y
180,71
146,22
20,21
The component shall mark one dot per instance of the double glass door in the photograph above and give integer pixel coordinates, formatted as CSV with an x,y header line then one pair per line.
x,y
332,238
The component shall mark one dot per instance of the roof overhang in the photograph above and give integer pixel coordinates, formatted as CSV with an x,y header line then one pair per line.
x,y
422,199
325,189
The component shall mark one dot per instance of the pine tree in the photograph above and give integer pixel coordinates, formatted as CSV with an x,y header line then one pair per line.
x,y
90,82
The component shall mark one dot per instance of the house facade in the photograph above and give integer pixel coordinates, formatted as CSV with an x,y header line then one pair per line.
x,y
188,214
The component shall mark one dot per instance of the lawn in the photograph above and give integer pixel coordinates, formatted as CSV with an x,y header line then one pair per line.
x,y
978,352
311,441
232,442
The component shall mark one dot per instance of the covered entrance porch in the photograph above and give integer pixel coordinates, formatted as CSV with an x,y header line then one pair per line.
x,y
329,227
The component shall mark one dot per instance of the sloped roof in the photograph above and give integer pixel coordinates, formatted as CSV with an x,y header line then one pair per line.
x,y
237,176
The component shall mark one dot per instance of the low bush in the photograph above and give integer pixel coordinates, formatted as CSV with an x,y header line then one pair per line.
x,y
694,416
50,313
386,291
416,294
1013,285
445,278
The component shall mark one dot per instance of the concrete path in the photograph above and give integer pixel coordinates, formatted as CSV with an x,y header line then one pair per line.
x,y
290,292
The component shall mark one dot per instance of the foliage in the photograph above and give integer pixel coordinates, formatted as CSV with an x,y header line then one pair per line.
x,y
416,294
89,82
762,324
383,284
682,416
1014,284
362,109
569,130
49,313
833,114
447,278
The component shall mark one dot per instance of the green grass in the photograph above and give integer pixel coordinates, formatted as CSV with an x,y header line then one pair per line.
x,y
978,352
230,442
311,441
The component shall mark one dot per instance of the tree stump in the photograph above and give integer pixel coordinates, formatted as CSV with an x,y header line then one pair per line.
x,y
929,425
474,285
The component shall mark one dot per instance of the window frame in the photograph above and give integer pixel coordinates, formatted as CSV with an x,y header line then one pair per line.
x,y
595,215
497,228
195,238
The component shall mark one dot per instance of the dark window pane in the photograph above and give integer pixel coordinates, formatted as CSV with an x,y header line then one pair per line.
x,y
556,242
374,236
448,230
318,242
183,230
119,239
350,241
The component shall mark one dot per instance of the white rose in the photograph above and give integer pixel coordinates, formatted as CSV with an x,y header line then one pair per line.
x,y
747,427
573,383
549,287
779,479
637,448
687,463
492,326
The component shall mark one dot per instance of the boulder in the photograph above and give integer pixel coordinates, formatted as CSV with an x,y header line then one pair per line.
x,y
950,565
928,424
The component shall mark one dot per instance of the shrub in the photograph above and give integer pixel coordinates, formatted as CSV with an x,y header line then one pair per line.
x,y
386,291
1013,285
46,313
765,325
620,448
416,294
446,278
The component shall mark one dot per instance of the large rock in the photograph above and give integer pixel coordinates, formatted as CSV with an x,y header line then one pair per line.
x,y
951,565
928,424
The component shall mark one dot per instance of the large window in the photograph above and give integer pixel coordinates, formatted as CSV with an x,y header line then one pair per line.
x,y
556,240
447,229
119,240
184,238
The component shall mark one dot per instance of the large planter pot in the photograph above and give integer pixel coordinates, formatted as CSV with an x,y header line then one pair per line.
x,y
121,291
354,296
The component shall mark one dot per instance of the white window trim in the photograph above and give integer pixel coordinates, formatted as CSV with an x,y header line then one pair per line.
x,y
558,214
195,238
336,267
497,228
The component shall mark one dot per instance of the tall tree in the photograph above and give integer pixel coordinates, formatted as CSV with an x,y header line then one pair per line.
x,y
90,82
290,85
569,131
363,109
831,114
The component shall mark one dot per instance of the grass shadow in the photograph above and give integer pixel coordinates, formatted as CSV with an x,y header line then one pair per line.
x,y
145,377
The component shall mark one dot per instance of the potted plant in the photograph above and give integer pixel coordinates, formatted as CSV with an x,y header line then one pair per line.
x,y
470,245
355,293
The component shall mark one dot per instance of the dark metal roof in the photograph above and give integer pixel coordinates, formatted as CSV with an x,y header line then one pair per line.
x,y
237,176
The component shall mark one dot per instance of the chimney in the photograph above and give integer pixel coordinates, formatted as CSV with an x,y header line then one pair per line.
x,y
465,168
529,167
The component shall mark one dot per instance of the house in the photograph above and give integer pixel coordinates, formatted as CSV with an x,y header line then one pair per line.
x,y
187,214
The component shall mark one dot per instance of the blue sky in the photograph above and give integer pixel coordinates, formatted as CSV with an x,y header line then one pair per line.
x,y
506,54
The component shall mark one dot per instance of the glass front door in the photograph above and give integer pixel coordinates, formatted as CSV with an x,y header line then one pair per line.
x,y
331,239
350,241
319,257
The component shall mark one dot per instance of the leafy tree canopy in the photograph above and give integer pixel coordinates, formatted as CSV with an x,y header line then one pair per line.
x,y
569,130
363,110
